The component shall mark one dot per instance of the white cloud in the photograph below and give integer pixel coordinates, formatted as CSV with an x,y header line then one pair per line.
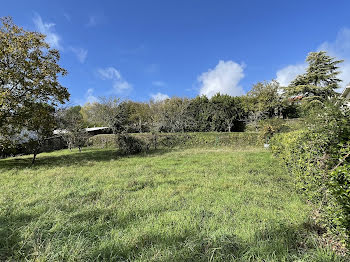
x,y
120,85
109,73
159,83
159,97
224,78
89,96
287,74
339,48
80,53
52,38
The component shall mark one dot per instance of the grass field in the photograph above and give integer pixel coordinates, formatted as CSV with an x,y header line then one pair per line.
x,y
181,205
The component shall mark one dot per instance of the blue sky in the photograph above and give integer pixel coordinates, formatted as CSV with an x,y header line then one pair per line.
x,y
143,49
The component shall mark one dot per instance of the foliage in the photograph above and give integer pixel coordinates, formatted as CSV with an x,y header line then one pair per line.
x,y
311,155
226,113
29,86
71,124
339,186
320,79
264,97
129,145
185,140
270,127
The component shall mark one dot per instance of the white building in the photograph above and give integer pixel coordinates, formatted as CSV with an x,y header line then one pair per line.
x,y
346,94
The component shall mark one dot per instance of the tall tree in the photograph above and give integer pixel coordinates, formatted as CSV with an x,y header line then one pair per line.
x,y
320,79
29,72
29,79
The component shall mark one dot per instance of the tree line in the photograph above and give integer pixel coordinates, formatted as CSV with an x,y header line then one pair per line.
x,y
31,97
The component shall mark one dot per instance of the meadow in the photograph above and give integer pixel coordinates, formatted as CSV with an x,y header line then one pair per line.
x,y
193,204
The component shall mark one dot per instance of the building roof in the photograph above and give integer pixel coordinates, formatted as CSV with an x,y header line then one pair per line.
x,y
346,91
90,129
60,131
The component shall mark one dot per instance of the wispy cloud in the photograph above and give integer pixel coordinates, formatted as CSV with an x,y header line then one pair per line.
x,y
159,97
159,83
339,48
80,53
48,29
224,79
89,96
120,85
109,73
287,74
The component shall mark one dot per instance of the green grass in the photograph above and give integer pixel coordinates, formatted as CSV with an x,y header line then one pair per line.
x,y
181,205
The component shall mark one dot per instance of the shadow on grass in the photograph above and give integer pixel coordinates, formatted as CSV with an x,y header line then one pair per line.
x,y
67,158
275,243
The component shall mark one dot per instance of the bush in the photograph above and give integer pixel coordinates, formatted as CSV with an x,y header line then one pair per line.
x,y
312,155
129,145
304,156
340,189
270,127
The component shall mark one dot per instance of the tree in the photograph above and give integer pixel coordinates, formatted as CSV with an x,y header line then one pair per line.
x,y
263,101
139,117
320,79
104,112
90,115
29,74
225,112
265,98
72,124
198,112
171,115
41,124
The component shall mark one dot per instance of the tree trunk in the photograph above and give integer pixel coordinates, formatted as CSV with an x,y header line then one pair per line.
x,y
34,157
155,141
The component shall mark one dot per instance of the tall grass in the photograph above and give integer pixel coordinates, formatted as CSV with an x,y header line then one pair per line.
x,y
181,205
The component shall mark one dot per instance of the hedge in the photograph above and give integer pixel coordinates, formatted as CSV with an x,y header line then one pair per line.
x,y
169,140
307,157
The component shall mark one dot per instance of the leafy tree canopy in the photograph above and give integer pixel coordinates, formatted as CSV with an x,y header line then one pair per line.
x,y
320,79
29,73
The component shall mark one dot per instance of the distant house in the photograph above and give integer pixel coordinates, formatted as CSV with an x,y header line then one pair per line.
x,y
98,130
90,130
346,94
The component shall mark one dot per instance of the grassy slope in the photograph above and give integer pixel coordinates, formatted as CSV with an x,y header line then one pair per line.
x,y
184,205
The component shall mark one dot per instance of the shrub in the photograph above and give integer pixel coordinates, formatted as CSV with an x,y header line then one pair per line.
x,y
312,155
270,127
170,140
129,145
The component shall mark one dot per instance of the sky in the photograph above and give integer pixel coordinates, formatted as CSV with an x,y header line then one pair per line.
x,y
162,48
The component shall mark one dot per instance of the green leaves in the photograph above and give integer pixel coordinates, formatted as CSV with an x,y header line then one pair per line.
x,y
320,78
29,86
